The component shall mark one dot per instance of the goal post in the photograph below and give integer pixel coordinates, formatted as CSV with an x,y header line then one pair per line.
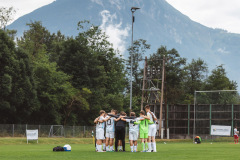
x,y
215,107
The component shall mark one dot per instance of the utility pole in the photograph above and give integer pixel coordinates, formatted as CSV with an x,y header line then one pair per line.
x,y
161,102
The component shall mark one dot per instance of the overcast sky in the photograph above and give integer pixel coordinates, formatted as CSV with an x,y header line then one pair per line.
x,y
212,13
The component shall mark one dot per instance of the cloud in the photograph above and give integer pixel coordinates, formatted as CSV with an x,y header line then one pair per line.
x,y
212,13
117,34
98,2
23,7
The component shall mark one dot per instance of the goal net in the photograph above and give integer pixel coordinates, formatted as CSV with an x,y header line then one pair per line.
x,y
216,113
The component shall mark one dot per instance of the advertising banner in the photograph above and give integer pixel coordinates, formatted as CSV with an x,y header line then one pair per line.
x,y
218,130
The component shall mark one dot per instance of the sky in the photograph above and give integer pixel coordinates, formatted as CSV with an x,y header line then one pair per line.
x,y
222,14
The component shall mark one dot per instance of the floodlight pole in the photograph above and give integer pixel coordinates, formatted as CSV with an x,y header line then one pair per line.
x,y
133,9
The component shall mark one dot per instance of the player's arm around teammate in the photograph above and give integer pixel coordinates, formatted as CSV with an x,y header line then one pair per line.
x,y
133,132
152,129
143,128
100,130
110,131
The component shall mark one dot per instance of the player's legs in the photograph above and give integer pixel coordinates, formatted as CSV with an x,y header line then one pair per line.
x,y
146,139
107,143
134,138
111,140
131,140
154,130
135,146
117,133
104,144
142,144
123,137
107,140
100,140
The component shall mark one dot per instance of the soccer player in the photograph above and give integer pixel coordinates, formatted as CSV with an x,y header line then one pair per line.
x,y
120,131
152,129
133,131
143,127
236,132
110,131
100,130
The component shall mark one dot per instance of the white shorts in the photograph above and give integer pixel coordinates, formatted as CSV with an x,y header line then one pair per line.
x,y
100,134
152,129
110,134
133,135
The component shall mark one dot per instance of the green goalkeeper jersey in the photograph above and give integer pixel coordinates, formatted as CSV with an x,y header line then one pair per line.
x,y
143,125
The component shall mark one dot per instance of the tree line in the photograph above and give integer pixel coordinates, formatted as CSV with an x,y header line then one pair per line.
x,y
50,78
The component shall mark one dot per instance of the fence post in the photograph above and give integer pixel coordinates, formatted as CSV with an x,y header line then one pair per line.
x,y
13,131
188,118
39,126
73,131
83,131
210,118
232,120
167,116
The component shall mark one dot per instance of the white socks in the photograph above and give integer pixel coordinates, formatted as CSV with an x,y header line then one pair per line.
x,y
104,146
131,148
135,148
111,148
99,148
149,146
154,147
107,148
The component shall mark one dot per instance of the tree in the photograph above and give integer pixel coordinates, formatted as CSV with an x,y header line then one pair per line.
x,y
57,97
173,71
195,73
18,88
92,62
6,16
218,80
137,50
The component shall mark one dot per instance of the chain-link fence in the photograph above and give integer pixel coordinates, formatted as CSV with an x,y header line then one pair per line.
x,y
19,130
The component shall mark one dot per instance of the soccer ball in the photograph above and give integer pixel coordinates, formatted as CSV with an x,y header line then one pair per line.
x,y
195,142
67,147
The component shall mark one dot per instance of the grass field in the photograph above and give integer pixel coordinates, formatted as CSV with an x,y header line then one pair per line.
x,y
16,148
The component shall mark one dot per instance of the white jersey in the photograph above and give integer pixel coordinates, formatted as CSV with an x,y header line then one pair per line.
x,y
235,131
132,126
110,124
151,117
100,125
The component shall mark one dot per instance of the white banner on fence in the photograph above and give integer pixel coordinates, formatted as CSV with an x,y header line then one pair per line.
x,y
218,130
32,135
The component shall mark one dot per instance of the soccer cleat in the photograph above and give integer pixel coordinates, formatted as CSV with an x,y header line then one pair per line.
x,y
148,151
120,150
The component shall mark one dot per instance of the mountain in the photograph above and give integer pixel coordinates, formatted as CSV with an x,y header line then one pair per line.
x,y
157,22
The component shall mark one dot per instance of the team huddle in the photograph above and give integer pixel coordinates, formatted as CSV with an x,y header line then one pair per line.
x,y
112,125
